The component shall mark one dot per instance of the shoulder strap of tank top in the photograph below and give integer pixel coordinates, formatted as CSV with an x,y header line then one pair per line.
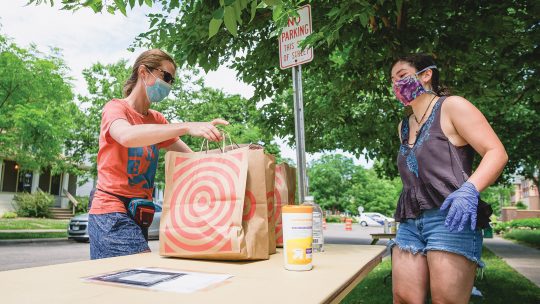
x,y
440,102
436,115
404,132
442,98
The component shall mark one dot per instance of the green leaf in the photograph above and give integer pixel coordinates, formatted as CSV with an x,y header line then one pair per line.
x,y
174,4
272,2
334,11
243,3
277,12
153,22
214,26
149,2
91,2
229,2
121,6
230,20
131,3
218,14
253,9
95,5
141,2
364,19
238,11
96,8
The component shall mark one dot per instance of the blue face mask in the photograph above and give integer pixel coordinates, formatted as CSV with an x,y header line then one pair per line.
x,y
158,91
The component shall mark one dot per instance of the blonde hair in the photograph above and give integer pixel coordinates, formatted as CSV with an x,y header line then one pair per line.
x,y
151,59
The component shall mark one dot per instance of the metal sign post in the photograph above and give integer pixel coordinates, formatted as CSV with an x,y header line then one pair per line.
x,y
299,132
291,55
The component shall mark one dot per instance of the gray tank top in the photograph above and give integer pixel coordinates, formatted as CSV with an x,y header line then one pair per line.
x,y
428,171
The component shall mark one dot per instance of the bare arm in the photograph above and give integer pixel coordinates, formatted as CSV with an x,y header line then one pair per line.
x,y
473,127
179,146
148,134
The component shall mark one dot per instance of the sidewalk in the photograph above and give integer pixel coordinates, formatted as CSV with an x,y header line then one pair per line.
x,y
523,259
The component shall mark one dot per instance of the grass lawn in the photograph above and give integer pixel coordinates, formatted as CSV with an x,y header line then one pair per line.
x,y
500,285
25,235
527,237
32,223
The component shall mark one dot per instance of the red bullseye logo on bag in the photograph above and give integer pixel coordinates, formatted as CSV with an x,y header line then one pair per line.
x,y
205,196
250,206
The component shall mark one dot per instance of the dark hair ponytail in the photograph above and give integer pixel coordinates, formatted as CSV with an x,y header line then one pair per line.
x,y
421,61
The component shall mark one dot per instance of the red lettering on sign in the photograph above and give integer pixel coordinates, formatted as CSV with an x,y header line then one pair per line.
x,y
295,32
293,21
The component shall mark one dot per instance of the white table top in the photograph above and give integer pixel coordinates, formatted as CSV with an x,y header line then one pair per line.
x,y
336,272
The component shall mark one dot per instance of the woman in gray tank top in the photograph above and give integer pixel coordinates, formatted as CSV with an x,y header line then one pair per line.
x,y
439,240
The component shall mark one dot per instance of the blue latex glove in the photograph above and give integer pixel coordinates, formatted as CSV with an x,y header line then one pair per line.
x,y
463,204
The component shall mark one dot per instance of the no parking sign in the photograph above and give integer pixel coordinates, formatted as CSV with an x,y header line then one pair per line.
x,y
297,29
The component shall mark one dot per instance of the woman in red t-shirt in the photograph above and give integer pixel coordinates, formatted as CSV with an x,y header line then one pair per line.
x,y
129,142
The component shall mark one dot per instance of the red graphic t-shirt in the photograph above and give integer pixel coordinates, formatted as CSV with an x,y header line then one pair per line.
x,y
128,172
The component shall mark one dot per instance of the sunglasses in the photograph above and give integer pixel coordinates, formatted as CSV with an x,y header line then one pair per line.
x,y
167,77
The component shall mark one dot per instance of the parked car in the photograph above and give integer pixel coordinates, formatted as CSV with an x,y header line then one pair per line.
x,y
78,226
372,219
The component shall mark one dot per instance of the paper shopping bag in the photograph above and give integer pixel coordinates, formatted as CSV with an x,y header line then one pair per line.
x,y
203,205
270,173
255,217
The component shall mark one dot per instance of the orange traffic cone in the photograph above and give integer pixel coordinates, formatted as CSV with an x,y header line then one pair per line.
x,y
348,224
324,223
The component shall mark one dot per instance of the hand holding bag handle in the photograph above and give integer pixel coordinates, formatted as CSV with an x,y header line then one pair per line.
x,y
226,148
223,147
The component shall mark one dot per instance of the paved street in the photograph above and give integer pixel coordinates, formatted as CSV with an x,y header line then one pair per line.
x,y
24,255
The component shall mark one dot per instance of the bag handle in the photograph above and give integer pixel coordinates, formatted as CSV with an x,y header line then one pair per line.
x,y
233,143
222,148
205,141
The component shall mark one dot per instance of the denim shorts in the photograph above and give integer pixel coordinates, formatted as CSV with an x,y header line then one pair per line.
x,y
114,234
428,232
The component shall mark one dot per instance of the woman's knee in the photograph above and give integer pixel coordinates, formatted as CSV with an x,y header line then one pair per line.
x,y
410,276
407,296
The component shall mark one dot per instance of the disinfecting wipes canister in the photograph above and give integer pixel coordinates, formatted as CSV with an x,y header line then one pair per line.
x,y
297,237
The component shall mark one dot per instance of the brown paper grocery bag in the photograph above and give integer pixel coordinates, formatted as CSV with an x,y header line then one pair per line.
x,y
203,205
281,197
270,173
255,218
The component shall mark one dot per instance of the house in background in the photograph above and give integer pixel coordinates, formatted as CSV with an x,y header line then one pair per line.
x,y
526,192
14,179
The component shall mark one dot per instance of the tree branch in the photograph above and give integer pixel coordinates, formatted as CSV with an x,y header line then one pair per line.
x,y
8,95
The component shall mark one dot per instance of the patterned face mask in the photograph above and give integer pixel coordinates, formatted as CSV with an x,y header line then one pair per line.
x,y
410,87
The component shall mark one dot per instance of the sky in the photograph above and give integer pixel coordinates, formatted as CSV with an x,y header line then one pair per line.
x,y
86,38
